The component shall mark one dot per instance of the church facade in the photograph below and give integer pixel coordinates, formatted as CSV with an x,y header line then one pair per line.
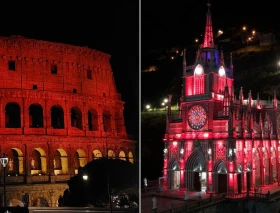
x,y
219,143
59,109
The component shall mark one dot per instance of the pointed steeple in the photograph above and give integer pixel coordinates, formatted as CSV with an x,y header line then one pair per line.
x,y
240,113
275,100
258,102
249,102
231,64
208,36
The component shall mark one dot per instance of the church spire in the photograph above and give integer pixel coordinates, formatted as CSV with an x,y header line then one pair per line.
x,y
208,36
231,65
275,100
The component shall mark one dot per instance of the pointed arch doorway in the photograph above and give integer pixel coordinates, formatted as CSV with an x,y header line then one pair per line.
x,y
196,172
221,177
174,169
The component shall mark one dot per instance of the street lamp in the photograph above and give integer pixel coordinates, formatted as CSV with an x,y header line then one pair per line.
x,y
85,177
4,161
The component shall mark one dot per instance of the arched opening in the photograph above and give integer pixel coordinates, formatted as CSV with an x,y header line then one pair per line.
x,y
118,122
12,115
274,165
15,203
15,164
196,172
35,116
38,162
60,162
111,154
76,117
92,120
220,177
96,154
130,157
239,178
79,159
40,202
266,166
257,169
122,155
198,80
174,175
107,121
249,177
57,117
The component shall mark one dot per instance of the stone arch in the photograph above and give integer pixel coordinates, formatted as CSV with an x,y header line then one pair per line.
x,y
80,158
92,120
107,123
249,176
12,115
195,165
38,162
130,157
111,154
60,162
15,164
220,174
257,168
57,117
76,117
35,116
122,155
174,174
240,178
118,122
40,202
15,203
96,154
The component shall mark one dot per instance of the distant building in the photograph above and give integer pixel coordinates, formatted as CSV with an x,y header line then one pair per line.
x,y
59,109
218,143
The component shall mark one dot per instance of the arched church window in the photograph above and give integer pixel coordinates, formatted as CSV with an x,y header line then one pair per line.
x,y
198,80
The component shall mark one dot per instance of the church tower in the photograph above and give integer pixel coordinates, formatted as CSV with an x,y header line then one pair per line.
x,y
218,144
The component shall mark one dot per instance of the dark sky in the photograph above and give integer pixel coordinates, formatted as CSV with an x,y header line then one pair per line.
x,y
177,22
108,25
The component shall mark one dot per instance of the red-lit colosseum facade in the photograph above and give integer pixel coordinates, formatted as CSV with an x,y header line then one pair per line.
x,y
59,109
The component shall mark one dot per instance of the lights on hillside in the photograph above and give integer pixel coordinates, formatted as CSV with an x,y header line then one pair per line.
x,y
196,40
244,28
148,106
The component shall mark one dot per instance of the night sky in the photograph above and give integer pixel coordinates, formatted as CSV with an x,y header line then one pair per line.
x,y
178,23
108,25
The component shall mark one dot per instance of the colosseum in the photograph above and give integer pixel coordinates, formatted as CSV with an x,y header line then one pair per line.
x,y
59,109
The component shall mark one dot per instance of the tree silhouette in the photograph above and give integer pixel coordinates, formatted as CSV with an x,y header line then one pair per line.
x,y
123,177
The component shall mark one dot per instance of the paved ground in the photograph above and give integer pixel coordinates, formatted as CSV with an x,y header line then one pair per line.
x,y
176,198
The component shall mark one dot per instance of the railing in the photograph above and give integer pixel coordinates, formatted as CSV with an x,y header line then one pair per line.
x,y
191,205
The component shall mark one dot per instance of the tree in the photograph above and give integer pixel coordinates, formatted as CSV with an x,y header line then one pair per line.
x,y
122,175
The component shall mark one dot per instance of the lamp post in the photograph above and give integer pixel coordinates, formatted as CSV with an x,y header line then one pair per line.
x,y
4,161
